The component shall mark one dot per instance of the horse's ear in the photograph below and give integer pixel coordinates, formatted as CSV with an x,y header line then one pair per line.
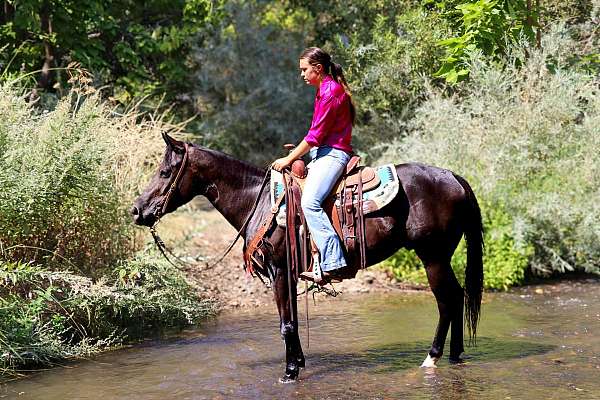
x,y
175,145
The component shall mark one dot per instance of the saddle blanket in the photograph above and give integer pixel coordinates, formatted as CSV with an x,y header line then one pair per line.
x,y
378,197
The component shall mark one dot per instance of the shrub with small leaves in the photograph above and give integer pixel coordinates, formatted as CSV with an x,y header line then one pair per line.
x,y
526,137
505,258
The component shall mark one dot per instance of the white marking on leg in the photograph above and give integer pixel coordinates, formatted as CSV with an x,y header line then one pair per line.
x,y
430,362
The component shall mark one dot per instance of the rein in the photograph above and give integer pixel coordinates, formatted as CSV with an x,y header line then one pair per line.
x,y
163,207
250,215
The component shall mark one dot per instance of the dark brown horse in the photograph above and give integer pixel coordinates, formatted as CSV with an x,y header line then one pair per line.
x,y
432,211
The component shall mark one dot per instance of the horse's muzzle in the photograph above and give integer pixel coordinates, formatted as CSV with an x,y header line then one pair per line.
x,y
137,215
140,219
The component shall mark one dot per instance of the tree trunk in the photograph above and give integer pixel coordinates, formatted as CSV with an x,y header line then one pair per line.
x,y
538,34
8,13
45,80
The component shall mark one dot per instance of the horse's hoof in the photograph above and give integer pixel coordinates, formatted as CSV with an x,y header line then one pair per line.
x,y
461,359
288,378
430,362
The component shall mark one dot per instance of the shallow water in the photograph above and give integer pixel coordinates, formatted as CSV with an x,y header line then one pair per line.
x,y
538,342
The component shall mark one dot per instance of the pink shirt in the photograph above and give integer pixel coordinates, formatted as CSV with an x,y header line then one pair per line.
x,y
332,122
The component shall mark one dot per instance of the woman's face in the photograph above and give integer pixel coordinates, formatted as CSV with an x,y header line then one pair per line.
x,y
312,74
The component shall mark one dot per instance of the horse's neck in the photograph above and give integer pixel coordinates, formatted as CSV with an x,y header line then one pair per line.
x,y
233,185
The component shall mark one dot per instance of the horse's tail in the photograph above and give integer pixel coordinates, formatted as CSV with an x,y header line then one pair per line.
x,y
473,230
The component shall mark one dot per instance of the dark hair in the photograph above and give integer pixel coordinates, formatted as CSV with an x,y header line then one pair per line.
x,y
315,56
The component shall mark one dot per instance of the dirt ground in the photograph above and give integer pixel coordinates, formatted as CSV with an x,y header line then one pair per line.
x,y
199,234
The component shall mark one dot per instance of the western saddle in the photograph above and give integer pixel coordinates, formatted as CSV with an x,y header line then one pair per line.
x,y
344,206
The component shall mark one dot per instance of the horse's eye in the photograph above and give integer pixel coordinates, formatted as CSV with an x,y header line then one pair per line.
x,y
164,173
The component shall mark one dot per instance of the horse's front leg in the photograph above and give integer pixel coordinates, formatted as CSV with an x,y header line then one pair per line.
x,y
288,317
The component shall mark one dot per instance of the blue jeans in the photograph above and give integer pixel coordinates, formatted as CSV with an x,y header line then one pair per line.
x,y
325,169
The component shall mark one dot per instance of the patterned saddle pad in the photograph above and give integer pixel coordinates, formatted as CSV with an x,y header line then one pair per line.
x,y
373,199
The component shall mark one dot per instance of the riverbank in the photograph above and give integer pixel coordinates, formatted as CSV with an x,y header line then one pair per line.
x,y
48,317
200,235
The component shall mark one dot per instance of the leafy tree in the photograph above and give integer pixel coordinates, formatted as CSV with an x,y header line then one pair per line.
x,y
386,49
141,48
248,89
488,26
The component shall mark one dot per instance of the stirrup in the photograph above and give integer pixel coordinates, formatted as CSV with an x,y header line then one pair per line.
x,y
312,277
322,280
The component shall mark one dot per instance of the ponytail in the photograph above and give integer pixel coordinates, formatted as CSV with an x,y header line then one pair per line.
x,y
338,75
315,56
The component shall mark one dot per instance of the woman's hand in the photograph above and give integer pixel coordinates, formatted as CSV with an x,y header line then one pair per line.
x,y
281,163
295,154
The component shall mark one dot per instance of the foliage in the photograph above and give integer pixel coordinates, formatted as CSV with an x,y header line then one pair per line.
x,y
68,176
488,26
505,260
67,179
527,138
248,88
573,11
586,54
140,49
386,67
46,316
406,266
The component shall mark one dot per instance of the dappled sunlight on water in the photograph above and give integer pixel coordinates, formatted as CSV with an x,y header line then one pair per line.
x,y
538,341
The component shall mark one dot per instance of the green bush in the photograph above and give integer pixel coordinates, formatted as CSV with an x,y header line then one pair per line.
x,y
67,179
47,316
387,49
576,11
387,64
406,266
487,26
525,137
249,89
71,283
505,259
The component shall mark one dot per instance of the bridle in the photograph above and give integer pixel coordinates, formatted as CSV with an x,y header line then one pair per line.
x,y
172,187
162,208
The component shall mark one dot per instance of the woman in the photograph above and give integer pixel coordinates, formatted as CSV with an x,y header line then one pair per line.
x,y
328,141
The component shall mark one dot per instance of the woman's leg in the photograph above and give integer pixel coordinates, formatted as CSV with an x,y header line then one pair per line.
x,y
323,173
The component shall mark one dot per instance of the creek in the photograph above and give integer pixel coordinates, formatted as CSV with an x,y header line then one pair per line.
x,y
539,341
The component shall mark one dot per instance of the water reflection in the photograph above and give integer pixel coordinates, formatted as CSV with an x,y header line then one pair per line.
x,y
403,356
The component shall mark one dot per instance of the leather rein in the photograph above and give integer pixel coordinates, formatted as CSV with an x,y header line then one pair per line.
x,y
165,203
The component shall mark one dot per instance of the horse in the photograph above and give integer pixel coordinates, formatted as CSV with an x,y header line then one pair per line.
x,y
432,211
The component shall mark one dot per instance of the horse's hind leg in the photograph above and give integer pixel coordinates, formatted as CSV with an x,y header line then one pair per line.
x,y
456,336
449,296
288,325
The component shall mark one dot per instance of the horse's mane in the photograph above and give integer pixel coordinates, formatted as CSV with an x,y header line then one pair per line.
x,y
246,168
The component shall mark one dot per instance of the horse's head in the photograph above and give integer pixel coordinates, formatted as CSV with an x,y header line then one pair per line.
x,y
170,187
